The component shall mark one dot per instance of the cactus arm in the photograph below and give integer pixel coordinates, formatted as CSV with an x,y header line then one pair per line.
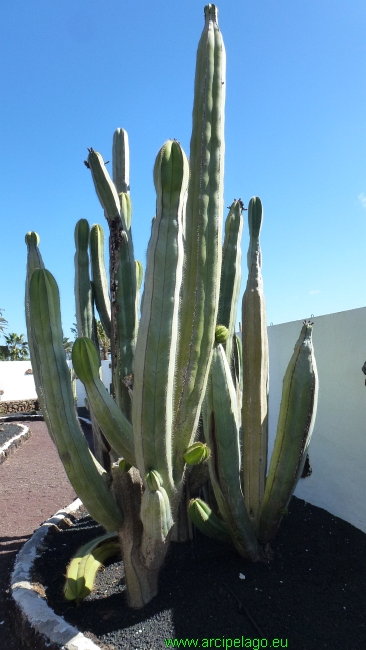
x,y
203,236
82,569
221,428
231,273
124,303
34,261
295,426
155,359
113,424
100,282
83,289
124,317
255,371
121,161
87,477
104,186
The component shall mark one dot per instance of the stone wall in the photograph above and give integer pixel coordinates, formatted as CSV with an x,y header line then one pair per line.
x,y
19,406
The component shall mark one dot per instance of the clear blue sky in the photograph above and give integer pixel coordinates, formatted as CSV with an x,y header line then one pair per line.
x,y
74,71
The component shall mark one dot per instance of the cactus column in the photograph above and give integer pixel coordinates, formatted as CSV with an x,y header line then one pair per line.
x,y
255,371
201,283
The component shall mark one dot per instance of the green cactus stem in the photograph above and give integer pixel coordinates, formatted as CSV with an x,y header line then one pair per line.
x,y
114,425
100,282
203,248
87,477
83,290
221,427
121,162
231,272
82,569
295,426
123,289
255,371
34,261
155,357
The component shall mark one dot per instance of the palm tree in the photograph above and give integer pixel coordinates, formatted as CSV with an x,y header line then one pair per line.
x,y
67,347
3,321
17,347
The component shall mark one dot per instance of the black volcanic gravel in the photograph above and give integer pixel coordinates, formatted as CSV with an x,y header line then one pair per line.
x,y
8,430
312,594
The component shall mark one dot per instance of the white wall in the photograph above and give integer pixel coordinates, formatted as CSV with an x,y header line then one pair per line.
x,y
14,382
338,447
19,386
106,377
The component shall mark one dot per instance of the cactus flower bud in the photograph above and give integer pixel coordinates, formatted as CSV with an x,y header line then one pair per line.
x,y
221,334
124,465
196,453
153,480
32,238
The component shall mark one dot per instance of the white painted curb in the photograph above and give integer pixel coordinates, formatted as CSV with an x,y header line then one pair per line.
x,y
10,445
30,602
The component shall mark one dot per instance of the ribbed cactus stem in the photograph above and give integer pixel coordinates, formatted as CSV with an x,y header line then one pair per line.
x,y
100,282
156,347
34,261
255,371
295,426
55,394
231,272
123,293
83,290
121,161
203,249
124,302
221,428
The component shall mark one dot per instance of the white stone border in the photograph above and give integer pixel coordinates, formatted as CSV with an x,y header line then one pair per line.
x,y
29,601
10,445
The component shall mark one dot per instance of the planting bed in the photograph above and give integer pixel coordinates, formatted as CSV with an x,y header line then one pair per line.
x,y
11,437
311,594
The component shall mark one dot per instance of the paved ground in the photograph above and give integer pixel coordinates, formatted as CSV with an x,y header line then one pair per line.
x,y
33,486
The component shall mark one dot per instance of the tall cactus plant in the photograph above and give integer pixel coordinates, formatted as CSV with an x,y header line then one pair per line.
x,y
153,418
181,364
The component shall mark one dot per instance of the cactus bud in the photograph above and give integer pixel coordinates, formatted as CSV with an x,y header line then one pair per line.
x,y
124,465
153,480
196,453
32,238
221,334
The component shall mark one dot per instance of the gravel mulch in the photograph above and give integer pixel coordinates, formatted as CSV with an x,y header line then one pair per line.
x,y
8,430
311,595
